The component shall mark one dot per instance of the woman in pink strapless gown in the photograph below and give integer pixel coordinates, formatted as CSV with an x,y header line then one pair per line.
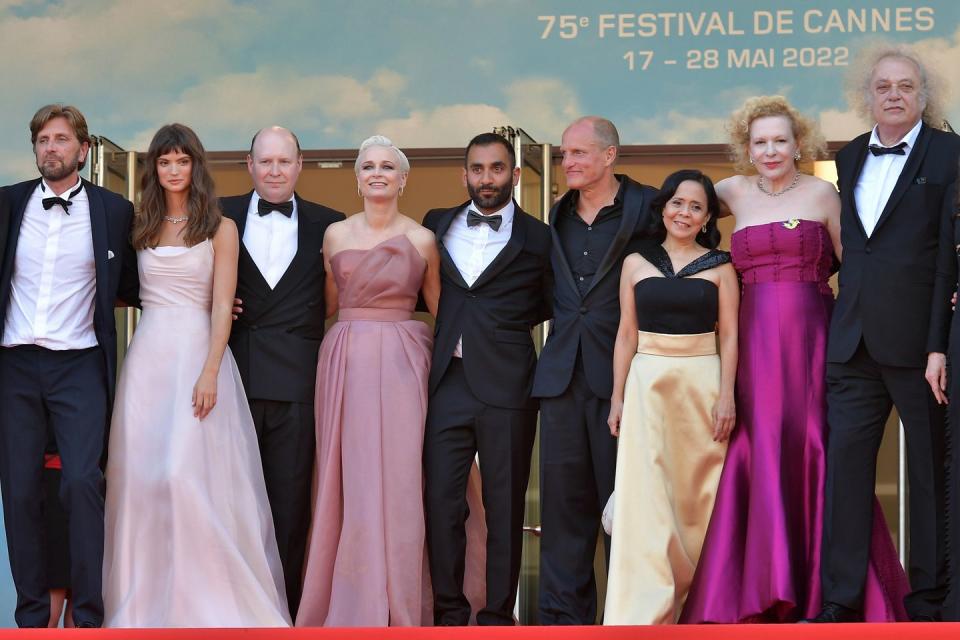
x,y
761,556
366,558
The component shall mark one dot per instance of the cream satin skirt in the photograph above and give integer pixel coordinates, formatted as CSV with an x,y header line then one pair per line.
x,y
668,468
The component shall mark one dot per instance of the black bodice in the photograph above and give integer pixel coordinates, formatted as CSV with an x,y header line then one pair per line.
x,y
676,304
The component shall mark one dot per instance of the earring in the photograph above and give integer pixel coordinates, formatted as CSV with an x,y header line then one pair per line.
x,y
703,228
358,191
750,159
401,190
796,156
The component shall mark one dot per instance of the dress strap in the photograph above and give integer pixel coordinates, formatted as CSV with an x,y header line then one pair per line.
x,y
656,255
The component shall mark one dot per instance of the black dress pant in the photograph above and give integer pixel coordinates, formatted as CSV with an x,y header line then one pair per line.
x,y
860,394
63,392
285,432
578,462
459,426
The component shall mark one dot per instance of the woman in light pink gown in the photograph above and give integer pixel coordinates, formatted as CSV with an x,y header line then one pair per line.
x,y
366,558
189,538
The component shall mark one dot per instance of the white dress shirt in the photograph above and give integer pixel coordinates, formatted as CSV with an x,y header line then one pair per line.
x,y
474,248
271,240
878,177
54,276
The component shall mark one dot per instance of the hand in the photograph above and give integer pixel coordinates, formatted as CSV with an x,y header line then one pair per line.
x,y
204,394
936,376
237,307
616,413
953,301
724,417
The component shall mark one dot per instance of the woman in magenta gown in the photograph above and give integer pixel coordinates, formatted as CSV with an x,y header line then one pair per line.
x,y
761,557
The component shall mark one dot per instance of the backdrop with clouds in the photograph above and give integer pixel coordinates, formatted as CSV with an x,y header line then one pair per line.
x,y
435,72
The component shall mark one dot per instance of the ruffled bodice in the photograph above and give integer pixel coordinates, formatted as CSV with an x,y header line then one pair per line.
x,y
784,251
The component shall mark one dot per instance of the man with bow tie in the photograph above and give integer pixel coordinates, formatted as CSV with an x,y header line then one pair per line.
x,y
275,340
892,183
496,284
68,259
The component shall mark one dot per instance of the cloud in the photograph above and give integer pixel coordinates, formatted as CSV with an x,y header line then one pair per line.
x,y
674,127
841,125
446,126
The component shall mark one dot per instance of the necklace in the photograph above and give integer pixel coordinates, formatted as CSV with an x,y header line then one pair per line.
x,y
179,219
774,194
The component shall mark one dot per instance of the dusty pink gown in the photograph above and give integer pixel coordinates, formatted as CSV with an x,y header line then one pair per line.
x,y
366,559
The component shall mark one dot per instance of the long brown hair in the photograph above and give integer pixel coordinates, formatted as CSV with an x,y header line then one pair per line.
x,y
202,206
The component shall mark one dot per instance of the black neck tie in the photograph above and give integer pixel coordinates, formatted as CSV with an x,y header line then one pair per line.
x,y
265,206
896,149
52,200
474,218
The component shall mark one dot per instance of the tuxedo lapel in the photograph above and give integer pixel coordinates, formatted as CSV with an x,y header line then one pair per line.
x,y
907,175
17,209
632,207
98,231
447,264
566,272
511,250
246,265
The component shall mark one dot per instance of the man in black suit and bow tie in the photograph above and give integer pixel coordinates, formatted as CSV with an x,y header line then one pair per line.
x,y
68,258
495,288
600,220
275,340
892,182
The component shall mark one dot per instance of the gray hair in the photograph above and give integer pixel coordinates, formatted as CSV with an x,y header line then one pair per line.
x,y
860,75
386,143
604,131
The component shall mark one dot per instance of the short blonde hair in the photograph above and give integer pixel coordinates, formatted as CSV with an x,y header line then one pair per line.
x,y
860,75
386,143
810,141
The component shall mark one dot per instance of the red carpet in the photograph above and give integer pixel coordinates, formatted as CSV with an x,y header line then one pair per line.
x,y
903,631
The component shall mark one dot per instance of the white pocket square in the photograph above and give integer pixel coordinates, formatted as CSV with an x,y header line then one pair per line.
x,y
109,254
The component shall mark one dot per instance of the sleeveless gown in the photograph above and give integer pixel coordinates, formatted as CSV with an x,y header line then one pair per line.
x,y
761,557
366,558
668,464
189,539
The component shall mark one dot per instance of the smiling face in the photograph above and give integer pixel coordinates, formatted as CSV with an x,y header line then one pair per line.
x,y
773,147
58,151
379,176
686,212
585,161
274,165
896,100
174,170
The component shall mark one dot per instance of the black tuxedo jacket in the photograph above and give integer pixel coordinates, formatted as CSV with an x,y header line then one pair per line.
x,y
116,276
496,315
276,339
589,323
4,227
887,280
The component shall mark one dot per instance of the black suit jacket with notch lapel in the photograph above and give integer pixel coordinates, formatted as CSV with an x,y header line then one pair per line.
x,y
887,280
275,340
4,229
496,314
589,323
111,217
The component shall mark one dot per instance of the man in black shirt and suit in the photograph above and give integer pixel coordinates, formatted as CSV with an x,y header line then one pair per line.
x,y
495,288
892,183
275,340
603,218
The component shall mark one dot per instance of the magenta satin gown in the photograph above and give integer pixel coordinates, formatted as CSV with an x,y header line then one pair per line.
x,y
761,557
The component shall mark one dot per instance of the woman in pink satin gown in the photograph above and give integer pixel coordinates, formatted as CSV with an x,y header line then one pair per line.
x,y
366,557
189,539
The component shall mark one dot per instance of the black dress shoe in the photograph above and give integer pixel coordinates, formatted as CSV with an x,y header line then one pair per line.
x,y
833,612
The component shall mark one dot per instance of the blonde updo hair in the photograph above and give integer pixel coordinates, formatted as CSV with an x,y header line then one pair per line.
x,y
810,142
386,143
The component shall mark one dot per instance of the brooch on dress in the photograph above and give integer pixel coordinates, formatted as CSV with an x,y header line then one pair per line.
x,y
792,223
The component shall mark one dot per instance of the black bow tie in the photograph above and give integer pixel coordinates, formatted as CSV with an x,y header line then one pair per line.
x,y
52,200
896,149
264,207
474,218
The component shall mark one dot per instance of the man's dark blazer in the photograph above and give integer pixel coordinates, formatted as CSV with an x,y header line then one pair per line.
x,y
276,339
589,322
495,314
116,262
887,280
4,229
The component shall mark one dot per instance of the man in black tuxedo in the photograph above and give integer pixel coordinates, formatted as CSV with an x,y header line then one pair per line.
x,y
892,182
68,258
4,224
495,288
603,218
275,340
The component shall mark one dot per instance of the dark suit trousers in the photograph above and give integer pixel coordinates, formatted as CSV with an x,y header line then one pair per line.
x,y
285,431
459,426
578,461
860,394
64,392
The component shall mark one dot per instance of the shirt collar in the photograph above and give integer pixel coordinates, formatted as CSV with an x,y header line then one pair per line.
x,y
617,199
255,198
910,138
48,190
506,212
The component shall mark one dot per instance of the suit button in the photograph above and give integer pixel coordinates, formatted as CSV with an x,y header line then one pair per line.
x,y
867,249
583,310
471,295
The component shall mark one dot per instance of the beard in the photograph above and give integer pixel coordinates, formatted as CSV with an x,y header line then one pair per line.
x,y
52,172
492,202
